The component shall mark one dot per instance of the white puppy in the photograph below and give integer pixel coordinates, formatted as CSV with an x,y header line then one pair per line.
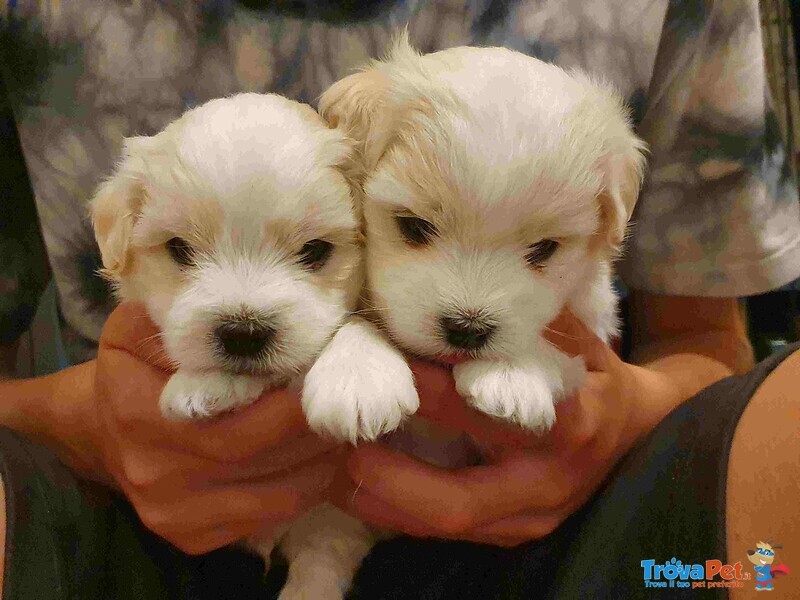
x,y
497,189
236,227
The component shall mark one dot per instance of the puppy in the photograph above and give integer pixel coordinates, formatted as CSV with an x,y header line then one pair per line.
x,y
236,228
496,190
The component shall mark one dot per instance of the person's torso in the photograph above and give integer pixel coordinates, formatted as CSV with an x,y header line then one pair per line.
x,y
83,75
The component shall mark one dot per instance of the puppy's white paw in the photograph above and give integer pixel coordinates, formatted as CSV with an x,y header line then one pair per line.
x,y
360,387
523,392
195,395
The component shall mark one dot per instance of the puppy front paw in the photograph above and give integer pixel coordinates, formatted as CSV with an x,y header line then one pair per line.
x,y
360,387
524,392
194,395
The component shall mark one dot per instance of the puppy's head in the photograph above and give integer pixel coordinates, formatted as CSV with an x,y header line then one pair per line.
x,y
236,228
493,185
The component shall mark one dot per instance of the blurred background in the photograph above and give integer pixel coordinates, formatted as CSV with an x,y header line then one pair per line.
x,y
775,318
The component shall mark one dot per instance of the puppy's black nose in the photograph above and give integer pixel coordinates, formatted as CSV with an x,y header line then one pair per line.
x,y
465,333
244,338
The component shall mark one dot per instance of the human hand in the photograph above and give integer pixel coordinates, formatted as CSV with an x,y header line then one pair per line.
x,y
528,484
203,484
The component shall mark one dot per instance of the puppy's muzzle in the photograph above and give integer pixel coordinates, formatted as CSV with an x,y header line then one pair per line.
x,y
466,333
244,339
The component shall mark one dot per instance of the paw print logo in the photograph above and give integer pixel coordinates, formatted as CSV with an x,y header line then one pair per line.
x,y
672,568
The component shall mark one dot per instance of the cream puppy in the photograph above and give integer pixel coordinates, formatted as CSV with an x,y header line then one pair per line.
x,y
236,228
497,189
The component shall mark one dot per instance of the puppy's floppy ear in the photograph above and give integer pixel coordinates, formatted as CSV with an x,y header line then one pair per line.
x,y
360,104
622,170
357,105
115,210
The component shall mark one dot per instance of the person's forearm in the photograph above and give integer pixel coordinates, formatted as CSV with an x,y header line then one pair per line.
x,y
674,372
684,345
710,332
694,362
57,411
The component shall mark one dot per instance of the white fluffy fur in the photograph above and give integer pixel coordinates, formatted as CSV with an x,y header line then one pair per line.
x,y
498,151
361,386
247,181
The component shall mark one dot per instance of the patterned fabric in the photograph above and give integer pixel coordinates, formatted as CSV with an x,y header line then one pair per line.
x,y
719,214
23,263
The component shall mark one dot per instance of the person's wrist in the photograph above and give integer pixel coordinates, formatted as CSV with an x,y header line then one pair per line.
x,y
59,411
652,395
75,426
21,404
673,371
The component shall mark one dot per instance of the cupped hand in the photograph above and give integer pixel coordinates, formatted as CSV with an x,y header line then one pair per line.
x,y
201,485
527,484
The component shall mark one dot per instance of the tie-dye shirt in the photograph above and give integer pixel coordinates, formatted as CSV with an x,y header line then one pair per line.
x,y
718,215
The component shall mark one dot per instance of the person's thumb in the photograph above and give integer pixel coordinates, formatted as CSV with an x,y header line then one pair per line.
x,y
130,329
571,336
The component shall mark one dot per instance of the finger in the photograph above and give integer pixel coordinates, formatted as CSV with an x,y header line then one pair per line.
x,y
372,510
519,528
535,524
570,335
511,529
440,402
148,467
435,385
132,344
272,462
274,419
129,328
575,425
358,501
274,501
460,500
201,542
439,399
132,410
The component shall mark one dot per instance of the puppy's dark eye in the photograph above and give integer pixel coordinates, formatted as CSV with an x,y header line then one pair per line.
x,y
539,252
416,231
314,254
180,251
